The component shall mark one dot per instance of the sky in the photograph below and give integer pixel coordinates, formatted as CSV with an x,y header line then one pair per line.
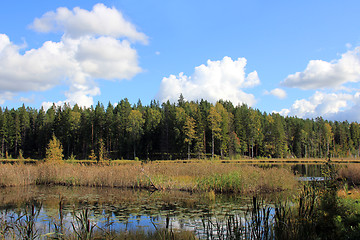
x,y
296,58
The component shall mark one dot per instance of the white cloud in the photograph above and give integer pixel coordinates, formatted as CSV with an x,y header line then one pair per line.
x,y
4,96
321,74
27,100
107,58
101,21
341,100
37,69
277,92
327,105
76,62
222,79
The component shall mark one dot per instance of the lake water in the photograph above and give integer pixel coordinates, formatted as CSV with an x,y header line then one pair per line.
x,y
123,209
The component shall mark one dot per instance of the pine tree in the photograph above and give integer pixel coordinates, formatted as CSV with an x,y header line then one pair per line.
x,y
135,127
214,122
92,155
189,131
54,151
102,151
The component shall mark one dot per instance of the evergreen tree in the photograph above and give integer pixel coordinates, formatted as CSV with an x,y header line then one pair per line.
x,y
189,131
54,151
102,151
214,121
135,127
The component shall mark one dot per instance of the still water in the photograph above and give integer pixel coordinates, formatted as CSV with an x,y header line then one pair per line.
x,y
126,210
120,209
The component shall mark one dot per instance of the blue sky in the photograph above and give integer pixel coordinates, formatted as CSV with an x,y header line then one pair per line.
x,y
294,57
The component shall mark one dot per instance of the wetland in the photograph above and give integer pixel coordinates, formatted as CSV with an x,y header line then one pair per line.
x,y
160,201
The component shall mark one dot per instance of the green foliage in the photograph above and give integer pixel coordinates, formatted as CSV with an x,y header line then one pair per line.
x,y
21,157
72,157
315,213
135,127
158,131
54,151
102,151
92,155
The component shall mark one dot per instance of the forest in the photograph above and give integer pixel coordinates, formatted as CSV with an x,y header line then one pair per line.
x,y
181,130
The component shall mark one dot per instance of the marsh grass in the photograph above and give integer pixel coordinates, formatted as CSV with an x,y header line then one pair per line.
x,y
201,176
351,173
248,179
17,174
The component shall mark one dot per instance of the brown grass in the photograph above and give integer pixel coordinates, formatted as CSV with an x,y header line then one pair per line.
x,y
166,175
351,173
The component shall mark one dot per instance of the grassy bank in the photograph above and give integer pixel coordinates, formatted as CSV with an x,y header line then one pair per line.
x,y
198,176
254,161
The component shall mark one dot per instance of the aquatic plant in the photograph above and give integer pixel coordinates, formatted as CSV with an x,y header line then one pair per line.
x,y
83,227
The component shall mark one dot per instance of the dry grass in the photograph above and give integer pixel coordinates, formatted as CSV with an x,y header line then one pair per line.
x,y
351,173
353,193
209,176
17,175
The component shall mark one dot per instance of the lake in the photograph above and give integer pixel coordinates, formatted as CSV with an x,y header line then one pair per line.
x,y
112,209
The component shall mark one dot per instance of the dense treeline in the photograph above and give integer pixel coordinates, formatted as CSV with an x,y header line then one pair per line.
x,y
169,131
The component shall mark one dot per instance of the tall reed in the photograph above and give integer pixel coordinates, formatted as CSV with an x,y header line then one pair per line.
x,y
190,177
351,173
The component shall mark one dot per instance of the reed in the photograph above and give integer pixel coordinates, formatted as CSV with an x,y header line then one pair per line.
x,y
248,179
17,174
199,176
351,173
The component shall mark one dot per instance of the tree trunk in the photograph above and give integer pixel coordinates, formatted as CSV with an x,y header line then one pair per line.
x,y
204,150
16,144
252,150
213,145
328,149
2,148
92,135
189,151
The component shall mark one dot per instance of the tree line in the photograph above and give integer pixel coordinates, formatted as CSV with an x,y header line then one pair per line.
x,y
172,131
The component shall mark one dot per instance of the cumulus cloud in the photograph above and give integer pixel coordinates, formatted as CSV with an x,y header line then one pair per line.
x,y
277,92
4,96
222,79
328,105
320,74
77,60
100,21
335,97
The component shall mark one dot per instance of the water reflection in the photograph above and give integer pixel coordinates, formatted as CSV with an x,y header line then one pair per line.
x,y
118,209
307,170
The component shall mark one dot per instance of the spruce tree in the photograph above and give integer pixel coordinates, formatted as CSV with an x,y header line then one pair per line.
x,y
54,151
